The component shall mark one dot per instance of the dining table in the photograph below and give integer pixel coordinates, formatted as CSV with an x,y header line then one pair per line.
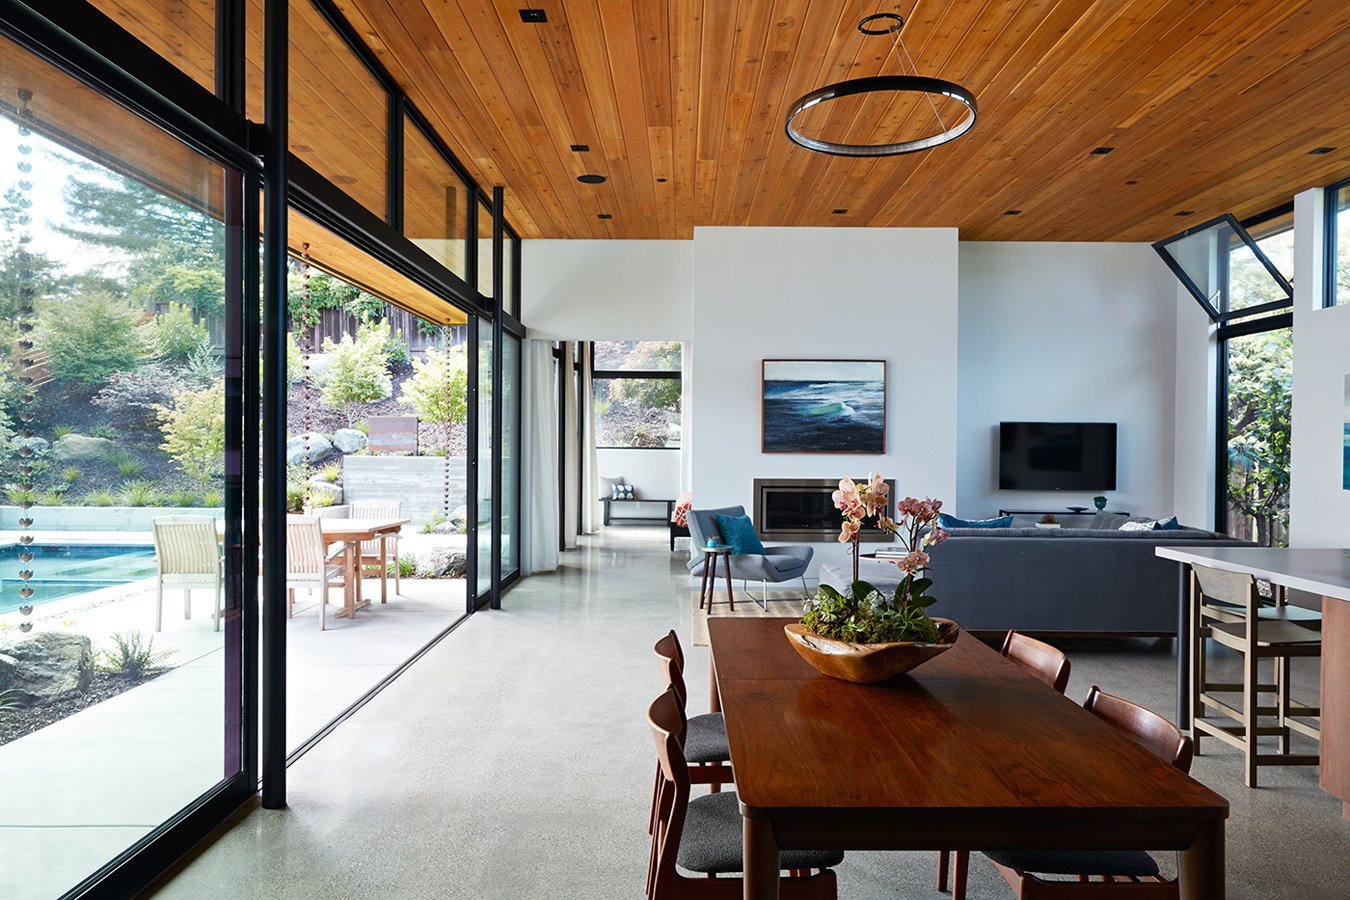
x,y
352,533
966,752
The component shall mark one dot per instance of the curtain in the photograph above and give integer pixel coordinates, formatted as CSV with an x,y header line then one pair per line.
x,y
539,532
570,487
591,510
686,417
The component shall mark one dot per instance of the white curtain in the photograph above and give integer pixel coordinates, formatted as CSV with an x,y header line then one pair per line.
x,y
591,510
686,417
570,488
539,536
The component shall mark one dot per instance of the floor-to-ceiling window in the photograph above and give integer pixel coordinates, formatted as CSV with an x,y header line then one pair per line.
x,y
486,488
511,456
121,703
1338,244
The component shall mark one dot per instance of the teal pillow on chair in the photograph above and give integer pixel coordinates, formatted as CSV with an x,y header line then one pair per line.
x,y
738,532
947,521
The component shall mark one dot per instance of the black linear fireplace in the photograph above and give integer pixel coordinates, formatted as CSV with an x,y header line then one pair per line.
x,y
801,509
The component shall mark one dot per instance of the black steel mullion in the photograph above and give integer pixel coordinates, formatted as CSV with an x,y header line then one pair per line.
x,y
394,163
238,706
1221,440
1255,326
230,53
564,370
498,381
274,409
471,462
250,355
635,373
471,241
1331,202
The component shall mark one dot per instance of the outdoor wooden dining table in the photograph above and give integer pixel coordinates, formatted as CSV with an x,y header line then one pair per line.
x,y
966,752
352,532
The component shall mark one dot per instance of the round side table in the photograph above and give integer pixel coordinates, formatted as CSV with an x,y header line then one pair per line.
x,y
709,587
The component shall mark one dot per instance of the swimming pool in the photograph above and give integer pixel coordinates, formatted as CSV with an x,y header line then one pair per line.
x,y
61,570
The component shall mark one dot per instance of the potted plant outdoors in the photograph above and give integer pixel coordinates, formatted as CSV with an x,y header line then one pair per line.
x,y
865,636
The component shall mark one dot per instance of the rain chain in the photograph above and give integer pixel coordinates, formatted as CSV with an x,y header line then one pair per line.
x,y
449,405
307,332
27,393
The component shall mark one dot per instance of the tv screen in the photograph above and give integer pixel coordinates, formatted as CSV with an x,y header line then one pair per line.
x,y
1057,456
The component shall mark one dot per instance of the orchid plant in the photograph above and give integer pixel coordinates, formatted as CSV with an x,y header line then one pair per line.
x,y
866,614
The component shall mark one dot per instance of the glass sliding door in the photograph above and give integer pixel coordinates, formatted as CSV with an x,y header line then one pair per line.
x,y
121,596
511,456
486,440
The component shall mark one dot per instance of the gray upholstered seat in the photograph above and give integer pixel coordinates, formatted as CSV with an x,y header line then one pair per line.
x,y
1077,862
705,739
711,841
778,564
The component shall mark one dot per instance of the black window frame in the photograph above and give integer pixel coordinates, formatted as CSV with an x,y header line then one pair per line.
x,y
637,375
1329,292
1224,315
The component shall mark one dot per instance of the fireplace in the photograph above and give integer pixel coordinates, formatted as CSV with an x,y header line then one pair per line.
x,y
801,509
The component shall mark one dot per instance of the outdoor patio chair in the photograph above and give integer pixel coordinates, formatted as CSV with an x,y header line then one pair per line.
x,y
310,564
373,554
187,556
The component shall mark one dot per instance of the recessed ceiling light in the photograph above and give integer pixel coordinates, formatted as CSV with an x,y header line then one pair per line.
x,y
838,212
1012,212
1102,151
1321,151
533,16
1184,212
591,179
603,216
661,181
581,148
1131,182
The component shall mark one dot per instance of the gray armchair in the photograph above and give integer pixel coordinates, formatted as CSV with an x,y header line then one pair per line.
x,y
778,564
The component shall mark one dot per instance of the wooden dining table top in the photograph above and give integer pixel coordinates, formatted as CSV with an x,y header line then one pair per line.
x,y
358,529
966,733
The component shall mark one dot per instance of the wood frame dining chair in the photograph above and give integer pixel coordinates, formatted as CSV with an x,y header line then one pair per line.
x,y
704,834
1130,874
1051,666
704,736
187,556
376,553
1227,608
310,564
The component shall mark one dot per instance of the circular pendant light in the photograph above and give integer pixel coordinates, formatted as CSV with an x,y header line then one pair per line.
x,y
876,24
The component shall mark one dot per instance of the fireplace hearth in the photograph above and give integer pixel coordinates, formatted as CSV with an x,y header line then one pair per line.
x,y
801,509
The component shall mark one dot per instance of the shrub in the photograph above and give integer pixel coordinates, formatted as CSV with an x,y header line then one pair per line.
x,y
130,466
133,398
50,498
295,497
70,474
61,431
131,658
319,501
183,498
331,472
139,493
194,431
407,565
429,526
213,499
102,498
438,389
89,338
173,335
357,372
203,366
396,351
103,431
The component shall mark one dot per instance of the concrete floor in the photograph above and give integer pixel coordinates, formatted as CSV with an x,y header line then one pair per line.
x,y
513,761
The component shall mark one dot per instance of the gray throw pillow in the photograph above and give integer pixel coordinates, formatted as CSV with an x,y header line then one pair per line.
x,y
607,486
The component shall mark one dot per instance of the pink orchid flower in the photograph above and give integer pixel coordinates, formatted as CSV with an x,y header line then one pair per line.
x,y
913,561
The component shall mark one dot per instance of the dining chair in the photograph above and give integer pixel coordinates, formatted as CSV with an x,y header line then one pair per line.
x,y
187,556
705,736
1048,665
376,553
1227,608
310,564
703,834
1121,873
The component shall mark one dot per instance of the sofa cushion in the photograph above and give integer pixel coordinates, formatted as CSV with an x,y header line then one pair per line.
x,y
947,521
738,532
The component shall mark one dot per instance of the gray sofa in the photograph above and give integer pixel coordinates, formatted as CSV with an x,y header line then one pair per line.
x,y
1067,580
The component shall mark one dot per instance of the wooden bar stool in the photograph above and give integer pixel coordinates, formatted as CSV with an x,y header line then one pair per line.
x,y
1227,607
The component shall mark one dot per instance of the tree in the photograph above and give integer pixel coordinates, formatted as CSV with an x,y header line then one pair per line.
x,y
438,389
194,432
89,337
356,373
24,273
174,335
1260,386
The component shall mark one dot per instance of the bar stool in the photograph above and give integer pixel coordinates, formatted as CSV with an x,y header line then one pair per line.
x,y
1227,607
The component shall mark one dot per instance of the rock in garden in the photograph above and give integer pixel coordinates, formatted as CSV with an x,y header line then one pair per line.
x,y
308,447
46,667
442,562
80,448
349,440
319,489
36,444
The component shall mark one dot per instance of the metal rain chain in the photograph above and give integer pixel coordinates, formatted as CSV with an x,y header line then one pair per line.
x,y
880,24
308,330
446,335
27,393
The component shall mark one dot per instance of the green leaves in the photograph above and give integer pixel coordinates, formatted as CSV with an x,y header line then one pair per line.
x,y
867,616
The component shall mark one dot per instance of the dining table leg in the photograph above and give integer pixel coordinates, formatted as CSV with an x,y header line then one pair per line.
x,y
760,851
384,570
1200,874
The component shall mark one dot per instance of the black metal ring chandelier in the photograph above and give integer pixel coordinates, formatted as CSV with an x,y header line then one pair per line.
x,y
884,23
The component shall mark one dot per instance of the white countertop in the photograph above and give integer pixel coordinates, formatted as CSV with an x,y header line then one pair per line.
x,y
1325,572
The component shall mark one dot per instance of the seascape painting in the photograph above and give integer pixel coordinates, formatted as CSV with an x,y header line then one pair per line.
x,y
824,406
1345,440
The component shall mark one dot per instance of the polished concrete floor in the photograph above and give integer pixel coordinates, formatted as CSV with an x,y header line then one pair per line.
x,y
512,761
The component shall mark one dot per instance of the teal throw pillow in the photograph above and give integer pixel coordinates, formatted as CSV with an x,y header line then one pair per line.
x,y
1167,524
738,532
947,521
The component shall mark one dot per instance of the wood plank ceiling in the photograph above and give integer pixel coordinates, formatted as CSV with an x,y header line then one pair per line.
x,y
1211,107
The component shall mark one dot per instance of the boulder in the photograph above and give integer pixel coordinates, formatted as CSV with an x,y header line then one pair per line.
x,y
80,448
324,489
46,667
442,562
349,440
36,444
308,447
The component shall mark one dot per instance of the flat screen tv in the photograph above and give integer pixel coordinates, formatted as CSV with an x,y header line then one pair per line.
x,y
1057,456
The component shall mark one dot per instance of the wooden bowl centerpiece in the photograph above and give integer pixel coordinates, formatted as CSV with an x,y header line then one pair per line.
x,y
868,663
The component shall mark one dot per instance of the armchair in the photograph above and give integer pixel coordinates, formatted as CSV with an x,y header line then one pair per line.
x,y
776,565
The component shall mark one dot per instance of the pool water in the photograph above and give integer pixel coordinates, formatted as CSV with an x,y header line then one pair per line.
x,y
61,570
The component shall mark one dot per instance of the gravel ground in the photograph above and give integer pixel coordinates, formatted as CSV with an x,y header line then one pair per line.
x,y
15,723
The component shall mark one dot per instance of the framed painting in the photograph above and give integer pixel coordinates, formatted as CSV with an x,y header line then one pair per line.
x,y
823,406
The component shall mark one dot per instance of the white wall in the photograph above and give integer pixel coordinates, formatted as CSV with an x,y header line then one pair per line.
x,y
1070,332
833,293
654,472
1319,507
1196,413
607,290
